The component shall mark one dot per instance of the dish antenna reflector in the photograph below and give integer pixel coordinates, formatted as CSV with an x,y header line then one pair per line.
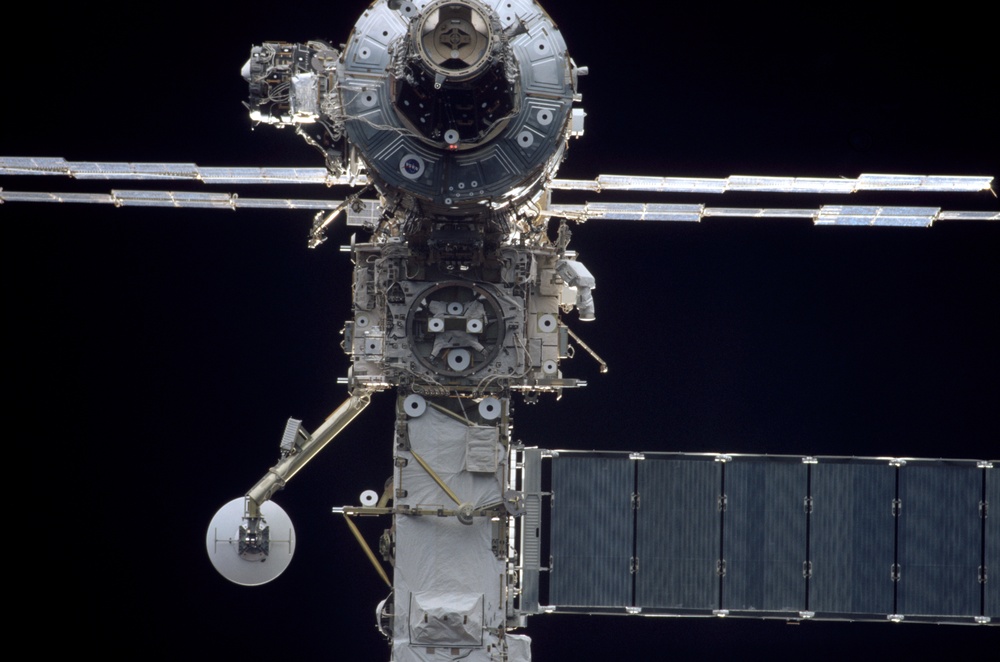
x,y
250,551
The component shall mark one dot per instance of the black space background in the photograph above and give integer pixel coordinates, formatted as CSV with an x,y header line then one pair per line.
x,y
154,355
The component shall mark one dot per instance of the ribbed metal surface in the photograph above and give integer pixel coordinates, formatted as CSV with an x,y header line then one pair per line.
x,y
592,530
178,199
531,526
531,530
920,217
764,535
940,539
166,171
677,533
826,215
39,196
852,537
630,211
876,182
992,586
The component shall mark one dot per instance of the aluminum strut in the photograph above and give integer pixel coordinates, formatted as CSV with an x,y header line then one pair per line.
x,y
288,466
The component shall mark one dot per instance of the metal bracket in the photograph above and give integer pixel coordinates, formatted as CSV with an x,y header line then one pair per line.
x,y
513,502
499,541
402,436
387,546
602,364
290,437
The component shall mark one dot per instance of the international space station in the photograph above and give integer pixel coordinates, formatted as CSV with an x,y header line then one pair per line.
x,y
445,123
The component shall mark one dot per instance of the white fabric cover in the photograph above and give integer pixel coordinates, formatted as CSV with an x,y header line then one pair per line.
x,y
446,619
445,568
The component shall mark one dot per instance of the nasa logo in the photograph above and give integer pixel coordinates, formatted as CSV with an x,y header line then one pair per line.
x,y
411,166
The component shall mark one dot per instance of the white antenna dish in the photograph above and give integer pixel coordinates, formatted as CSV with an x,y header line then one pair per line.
x,y
255,561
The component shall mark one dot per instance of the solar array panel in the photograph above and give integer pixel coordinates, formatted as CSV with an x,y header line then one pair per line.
x,y
773,536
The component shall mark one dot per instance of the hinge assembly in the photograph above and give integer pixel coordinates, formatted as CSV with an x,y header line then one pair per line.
x,y
807,504
401,462
723,502
897,507
633,565
720,567
807,569
402,436
894,572
635,501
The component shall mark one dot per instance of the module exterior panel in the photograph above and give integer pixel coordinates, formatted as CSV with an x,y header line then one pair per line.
x,y
852,537
677,534
592,530
764,535
940,539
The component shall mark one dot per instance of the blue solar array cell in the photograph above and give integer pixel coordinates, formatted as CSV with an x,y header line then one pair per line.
x,y
592,531
852,537
940,539
677,534
764,535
